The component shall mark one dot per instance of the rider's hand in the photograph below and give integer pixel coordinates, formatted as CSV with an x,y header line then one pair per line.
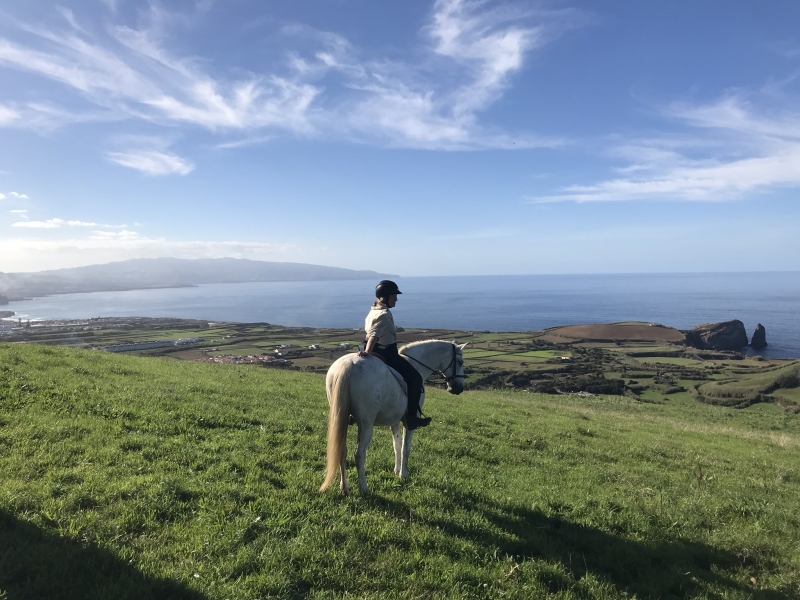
x,y
362,354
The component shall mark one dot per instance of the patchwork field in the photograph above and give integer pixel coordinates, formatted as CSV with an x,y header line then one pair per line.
x,y
629,331
648,362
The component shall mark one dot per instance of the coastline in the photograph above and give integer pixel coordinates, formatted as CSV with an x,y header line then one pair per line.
x,y
645,361
499,304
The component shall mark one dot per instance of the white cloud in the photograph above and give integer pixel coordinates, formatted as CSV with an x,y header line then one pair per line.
x,y
20,196
472,51
18,211
731,150
8,115
48,224
125,235
105,246
152,162
2,196
491,49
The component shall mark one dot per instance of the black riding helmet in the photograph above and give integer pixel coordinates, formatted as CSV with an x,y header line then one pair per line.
x,y
386,288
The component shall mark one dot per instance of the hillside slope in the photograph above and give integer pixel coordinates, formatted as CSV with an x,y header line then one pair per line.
x,y
142,273
137,477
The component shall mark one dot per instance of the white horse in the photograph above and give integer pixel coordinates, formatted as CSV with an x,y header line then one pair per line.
x,y
365,388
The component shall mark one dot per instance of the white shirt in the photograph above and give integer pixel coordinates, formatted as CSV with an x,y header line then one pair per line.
x,y
380,323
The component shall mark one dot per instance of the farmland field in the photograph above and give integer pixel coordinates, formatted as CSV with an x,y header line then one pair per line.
x,y
131,477
648,361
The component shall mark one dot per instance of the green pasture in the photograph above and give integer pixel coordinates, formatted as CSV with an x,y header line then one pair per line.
x,y
671,360
127,477
792,395
479,353
520,358
155,334
295,343
754,384
635,346
236,351
479,338
545,353
640,350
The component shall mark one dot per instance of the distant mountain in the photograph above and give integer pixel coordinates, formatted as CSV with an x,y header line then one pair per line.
x,y
145,273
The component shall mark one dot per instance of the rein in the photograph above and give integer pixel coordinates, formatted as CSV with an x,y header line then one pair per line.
x,y
440,371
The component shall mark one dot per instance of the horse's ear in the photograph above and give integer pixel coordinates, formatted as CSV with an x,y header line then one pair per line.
x,y
462,346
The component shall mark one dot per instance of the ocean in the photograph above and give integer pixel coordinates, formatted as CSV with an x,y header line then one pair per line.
x,y
494,303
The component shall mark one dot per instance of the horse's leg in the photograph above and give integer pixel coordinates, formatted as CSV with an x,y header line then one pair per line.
x,y
344,486
407,434
364,438
397,438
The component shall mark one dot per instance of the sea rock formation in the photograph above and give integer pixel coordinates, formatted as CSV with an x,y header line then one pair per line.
x,y
728,335
759,340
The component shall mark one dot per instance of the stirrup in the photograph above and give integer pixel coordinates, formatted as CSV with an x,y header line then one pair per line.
x,y
417,422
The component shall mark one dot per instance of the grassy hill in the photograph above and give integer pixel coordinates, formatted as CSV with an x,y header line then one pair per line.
x,y
132,477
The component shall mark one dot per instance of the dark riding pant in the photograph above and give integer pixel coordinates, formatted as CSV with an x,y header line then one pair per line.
x,y
411,376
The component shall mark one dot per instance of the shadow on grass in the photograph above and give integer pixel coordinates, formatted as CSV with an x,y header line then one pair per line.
x,y
38,564
663,569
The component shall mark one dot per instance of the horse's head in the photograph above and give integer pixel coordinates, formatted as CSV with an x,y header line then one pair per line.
x,y
438,356
454,372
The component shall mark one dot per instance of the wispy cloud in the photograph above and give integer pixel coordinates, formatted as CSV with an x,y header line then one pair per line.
x,y
51,223
123,235
152,162
48,224
488,43
19,196
18,211
732,148
470,52
8,115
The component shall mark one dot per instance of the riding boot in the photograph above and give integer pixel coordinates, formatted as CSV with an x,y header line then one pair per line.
x,y
413,420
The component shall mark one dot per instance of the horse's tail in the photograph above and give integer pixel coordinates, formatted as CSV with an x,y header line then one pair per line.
x,y
339,398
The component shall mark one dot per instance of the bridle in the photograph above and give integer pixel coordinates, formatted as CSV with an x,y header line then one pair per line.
x,y
441,372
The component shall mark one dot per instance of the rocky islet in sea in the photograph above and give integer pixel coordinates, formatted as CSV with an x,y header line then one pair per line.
x,y
759,340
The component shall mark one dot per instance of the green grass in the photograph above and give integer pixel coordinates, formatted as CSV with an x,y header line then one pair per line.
x,y
477,353
237,351
546,353
131,477
750,388
526,357
670,360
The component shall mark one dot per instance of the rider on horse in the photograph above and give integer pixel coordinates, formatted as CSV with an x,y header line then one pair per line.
x,y
382,341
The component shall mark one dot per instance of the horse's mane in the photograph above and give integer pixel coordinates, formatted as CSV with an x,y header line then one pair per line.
x,y
420,342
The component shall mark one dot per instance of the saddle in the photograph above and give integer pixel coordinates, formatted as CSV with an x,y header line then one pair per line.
x,y
397,376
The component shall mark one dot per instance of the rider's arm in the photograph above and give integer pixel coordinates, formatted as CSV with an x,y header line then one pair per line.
x,y
370,345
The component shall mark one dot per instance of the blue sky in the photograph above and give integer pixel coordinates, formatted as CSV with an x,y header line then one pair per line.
x,y
418,138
